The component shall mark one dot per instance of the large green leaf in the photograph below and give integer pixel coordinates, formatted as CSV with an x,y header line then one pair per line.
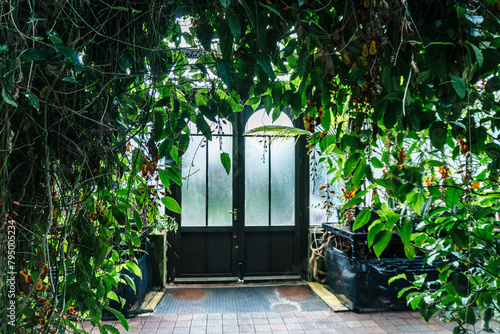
x,y
226,72
437,133
452,196
133,268
226,162
7,98
225,3
120,317
203,127
351,163
129,281
69,54
359,173
171,204
459,86
302,64
34,54
381,241
265,63
362,219
389,185
249,12
233,21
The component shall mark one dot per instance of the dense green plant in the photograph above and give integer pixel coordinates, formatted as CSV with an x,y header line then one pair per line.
x,y
406,88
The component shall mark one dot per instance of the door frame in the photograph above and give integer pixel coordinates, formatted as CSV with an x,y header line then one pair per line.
x,y
300,229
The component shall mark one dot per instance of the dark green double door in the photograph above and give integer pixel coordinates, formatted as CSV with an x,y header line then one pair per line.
x,y
242,224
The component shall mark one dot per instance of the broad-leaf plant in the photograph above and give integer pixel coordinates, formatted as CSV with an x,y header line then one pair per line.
x,y
400,100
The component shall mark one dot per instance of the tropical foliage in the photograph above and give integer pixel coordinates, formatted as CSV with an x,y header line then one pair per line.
x,y
400,100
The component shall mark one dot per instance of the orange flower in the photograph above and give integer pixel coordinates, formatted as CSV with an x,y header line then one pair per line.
x,y
25,275
44,272
71,310
39,285
475,185
444,171
428,183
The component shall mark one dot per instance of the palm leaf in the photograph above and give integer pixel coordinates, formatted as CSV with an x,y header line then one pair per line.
x,y
277,132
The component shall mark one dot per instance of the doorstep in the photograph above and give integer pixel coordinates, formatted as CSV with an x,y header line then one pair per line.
x,y
327,297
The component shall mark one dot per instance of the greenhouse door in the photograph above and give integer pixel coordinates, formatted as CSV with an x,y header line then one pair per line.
x,y
241,224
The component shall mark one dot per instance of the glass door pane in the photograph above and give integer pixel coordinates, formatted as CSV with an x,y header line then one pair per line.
x,y
220,184
194,194
256,183
282,183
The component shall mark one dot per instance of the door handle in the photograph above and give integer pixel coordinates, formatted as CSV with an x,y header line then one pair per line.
x,y
235,214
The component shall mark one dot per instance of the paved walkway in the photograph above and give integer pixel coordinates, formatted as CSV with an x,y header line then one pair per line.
x,y
306,322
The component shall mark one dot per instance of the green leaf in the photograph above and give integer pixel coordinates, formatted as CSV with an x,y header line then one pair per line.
x,y
133,267
418,201
124,9
434,163
479,55
405,233
425,208
54,37
138,220
35,19
351,164
376,162
276,113
225,3
203,127
69,79
34,54
359,173
233,21
69,54
452,196
171,204
249,12
459,86
302,64
33,100
101,253
389,185
130,282
362,219
6,97
226,73
120,317
461,284
265,63
168,174
111,329
273,10
437,134
397,277
381,241
423,76
3,48
268,103
226,162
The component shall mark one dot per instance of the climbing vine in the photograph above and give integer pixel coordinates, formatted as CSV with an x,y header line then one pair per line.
x,y
400,100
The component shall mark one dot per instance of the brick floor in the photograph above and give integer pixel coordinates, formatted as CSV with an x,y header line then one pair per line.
x,y
312,322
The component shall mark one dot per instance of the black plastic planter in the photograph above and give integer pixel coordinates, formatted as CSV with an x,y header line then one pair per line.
x,y
142,285
362,283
